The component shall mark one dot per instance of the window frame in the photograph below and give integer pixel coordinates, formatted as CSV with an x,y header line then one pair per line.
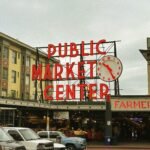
x,y
5,52
27,61
17,133
13,93
5,73
14,57
13,76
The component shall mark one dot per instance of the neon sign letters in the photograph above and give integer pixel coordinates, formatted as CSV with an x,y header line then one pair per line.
x,y
57,72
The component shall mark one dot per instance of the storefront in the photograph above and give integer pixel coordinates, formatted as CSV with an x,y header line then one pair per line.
x,y
131,118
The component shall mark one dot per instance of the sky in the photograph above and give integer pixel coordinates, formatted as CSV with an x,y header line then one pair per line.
x,y
39,22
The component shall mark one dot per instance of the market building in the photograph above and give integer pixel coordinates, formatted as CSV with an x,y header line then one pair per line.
x,y
22,103
16,60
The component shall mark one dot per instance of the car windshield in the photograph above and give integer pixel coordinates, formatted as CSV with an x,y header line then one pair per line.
x,y
29,134
62,134
4,137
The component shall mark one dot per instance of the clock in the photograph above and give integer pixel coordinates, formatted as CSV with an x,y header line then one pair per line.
x,y
109,68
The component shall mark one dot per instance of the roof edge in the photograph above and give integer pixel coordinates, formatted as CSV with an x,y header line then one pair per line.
x,y
7,37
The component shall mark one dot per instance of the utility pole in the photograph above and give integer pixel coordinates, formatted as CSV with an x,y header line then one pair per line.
x,y
108,122
116,85
82,81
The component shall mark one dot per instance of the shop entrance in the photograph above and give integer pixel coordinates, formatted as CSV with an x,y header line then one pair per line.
x,y
131,126
90,122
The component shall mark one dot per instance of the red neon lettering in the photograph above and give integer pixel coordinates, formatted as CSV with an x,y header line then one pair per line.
x,y
91,63
122,105
60,50
98,47
144,104
148,103
59,95
129,104
46,90
81,70
51,53
136,104
58,71
92,91
37,72
103,90
83,50
70,91
116,104
82,86
73,50
91,47
48,73
69,70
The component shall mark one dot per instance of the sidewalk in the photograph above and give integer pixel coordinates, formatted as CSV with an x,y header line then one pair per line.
x,y
136,145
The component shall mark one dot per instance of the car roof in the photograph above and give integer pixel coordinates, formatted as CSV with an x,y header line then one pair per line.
x,y
49,131
12,128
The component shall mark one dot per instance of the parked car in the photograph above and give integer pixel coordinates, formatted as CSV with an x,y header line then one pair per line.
x,y
8,143
31,140
72,143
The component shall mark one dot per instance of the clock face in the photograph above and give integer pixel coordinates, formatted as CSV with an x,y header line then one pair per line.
x,y
109,68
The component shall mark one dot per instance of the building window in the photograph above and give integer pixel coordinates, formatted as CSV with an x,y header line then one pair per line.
x,y
13,93
5,52
4,92
27,79
5,73
34,84
33,96
23,60
28,61
27,95
14,57
18,55
13,76
0,50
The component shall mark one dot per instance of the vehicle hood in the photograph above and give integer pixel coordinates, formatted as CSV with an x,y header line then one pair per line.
x,y
11,144
76,138
57,145
40,141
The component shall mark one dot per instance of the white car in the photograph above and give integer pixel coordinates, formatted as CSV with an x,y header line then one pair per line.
x,y
31,140
8,143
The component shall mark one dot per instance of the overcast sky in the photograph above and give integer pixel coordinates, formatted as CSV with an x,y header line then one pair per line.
x,y
39,22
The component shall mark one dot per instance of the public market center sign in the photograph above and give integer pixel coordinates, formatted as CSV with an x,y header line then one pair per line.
x,y
56,72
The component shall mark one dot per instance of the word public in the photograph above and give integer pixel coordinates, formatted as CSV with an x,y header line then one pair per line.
x,y
59,71
72,50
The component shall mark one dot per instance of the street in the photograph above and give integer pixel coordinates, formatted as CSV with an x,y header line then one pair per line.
x,y
115,148
133,146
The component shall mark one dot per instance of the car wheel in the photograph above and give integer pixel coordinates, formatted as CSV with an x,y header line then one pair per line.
x,y
70,147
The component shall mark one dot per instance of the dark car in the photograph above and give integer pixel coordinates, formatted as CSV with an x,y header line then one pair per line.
x,y
8,143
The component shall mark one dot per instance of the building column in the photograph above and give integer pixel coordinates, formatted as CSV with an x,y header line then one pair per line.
x,y
1,73
108,122
148,74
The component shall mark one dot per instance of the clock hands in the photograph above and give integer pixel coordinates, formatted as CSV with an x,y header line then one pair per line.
x,y
109,69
